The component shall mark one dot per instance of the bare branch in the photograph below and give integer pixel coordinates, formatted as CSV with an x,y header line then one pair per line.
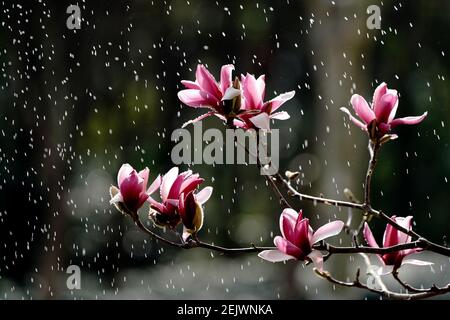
x,y
385,293
195,243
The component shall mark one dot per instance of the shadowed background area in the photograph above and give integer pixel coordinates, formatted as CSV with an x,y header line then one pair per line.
x,y
75,105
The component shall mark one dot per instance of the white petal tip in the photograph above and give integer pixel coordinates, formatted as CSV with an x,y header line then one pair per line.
x,y
274,256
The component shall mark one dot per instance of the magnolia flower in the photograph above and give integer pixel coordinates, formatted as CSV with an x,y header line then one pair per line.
x,y
255,112
174,187
298,238
394,260
378,119
132,191
206,92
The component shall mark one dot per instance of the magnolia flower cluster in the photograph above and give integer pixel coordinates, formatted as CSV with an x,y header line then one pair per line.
x,y
180,202
297,242
240,103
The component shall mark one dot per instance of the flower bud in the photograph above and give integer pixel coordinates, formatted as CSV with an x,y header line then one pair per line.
x,y
191,213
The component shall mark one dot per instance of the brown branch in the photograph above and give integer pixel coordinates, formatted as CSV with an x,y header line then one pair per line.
x,y
374,148
362,249
196,243
426,244
330,202
433,288
277,191
385,293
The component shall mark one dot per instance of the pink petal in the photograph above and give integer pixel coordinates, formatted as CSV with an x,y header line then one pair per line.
x,y
124,171
161,208
384,128
173,202
408,120
354,120
225,77
204,194
394,109
252,91
417,262
407,224
131,190
207,82
199,118
167,182
310,234
390,236
288,220
131,186
301,235
191,183
377,94
276,102
327,230
231,93
368,235
155,185
261,84
386,105
362,108
283,115
261,121
142,198
274,256
190,84
287,247
197,99
317,258
175,190
144,175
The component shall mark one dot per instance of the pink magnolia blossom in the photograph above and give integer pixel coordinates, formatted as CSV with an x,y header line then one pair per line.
x,y
173,191
256,113
392,237
206,92
382,111
132,191
298,238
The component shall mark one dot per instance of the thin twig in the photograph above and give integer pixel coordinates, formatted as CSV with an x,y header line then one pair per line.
x,y
433,288
426,244
374,148
363,249
195,243
385,293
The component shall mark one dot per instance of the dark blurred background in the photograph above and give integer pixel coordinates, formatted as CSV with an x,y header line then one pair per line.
x,y
76,104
